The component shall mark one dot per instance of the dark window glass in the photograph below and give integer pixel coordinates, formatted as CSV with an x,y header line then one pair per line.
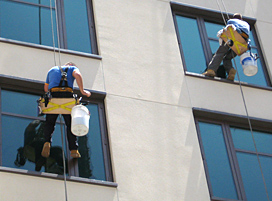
x,y
22,145
232,161
216,155
91,164
42,2
23,138
30,21
242,139
252,176
191,44
26,23
77,27
19,103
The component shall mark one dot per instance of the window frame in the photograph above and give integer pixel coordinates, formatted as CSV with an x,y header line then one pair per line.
x,y
201,15
62,29
226,121
36,88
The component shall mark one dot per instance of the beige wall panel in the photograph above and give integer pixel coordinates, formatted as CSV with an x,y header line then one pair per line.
x,y
227,98
18,187
261,10
263,30
246,8
155,151
33,63
139,48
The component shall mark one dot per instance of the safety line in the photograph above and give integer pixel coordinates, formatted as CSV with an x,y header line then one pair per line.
x,y
60,116
250,126
63,157
246,110
52,28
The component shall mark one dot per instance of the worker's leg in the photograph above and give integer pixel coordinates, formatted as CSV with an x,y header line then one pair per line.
x,y
49,126
228,64
48,132
72,139
218,57
227,60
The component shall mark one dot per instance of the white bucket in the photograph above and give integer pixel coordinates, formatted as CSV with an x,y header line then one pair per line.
x,y
80,120
249,64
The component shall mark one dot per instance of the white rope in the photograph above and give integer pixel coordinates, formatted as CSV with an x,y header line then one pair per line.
x,y
223,17
60,116
52,28
246,110
63,157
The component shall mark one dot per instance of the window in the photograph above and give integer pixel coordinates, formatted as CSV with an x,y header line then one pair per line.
x,y
196,31
30,21
21,136
234,168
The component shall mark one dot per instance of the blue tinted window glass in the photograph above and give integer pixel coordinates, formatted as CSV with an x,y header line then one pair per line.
x,y
252,177
266,163
91,163
242,139
191,44
214,46
252,39
41,2
212,29
26,23
47,2
19,22
77,27
22,142
19,103
46,37
217,161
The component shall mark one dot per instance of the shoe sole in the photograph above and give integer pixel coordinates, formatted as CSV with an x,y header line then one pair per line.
x,y
46,151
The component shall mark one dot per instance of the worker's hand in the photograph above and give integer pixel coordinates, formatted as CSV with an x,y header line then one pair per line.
x,y
86,93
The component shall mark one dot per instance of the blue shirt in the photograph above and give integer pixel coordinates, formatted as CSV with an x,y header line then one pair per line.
x,y
54,76
240,25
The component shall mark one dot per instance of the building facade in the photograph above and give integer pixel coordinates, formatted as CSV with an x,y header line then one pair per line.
x,y
159,129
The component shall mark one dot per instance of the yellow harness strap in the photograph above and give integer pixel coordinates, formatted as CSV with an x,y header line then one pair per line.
x,y
235,42
56,106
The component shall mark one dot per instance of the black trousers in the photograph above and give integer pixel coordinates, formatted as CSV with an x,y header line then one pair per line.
x,y
51,122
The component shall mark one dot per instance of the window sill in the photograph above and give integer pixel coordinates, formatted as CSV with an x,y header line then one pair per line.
x,y
59,177
227,81
44,47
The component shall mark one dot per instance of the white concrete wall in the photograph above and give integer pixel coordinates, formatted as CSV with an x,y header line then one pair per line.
x,y
154,146
18,187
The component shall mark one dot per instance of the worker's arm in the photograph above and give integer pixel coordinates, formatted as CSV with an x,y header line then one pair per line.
x,y
79,80
45,87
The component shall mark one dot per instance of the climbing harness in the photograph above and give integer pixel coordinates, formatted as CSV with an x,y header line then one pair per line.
x,y
234,40
51,105
247,114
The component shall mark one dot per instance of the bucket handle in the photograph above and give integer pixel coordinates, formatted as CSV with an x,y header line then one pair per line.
x,y
254,56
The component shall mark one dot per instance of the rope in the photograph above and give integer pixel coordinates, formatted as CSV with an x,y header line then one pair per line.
x,y
54,47
246,110
52,27
223,17
63,158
